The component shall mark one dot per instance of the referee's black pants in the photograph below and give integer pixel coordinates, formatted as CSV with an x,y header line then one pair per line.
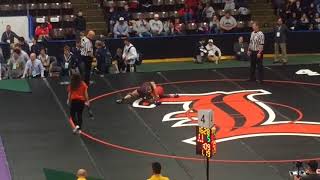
x,y
76,110
86,68
256,63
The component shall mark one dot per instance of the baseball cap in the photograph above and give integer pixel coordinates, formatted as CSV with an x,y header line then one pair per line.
x,y
121,19
210,41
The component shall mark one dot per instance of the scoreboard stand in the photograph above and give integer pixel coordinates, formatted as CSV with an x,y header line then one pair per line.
x,y
206,137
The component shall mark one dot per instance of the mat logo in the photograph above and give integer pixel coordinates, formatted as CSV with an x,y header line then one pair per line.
x,y
237,114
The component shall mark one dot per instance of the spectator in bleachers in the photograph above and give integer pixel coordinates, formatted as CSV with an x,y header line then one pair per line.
x,y
126,14
24,45
43,30
156,172
35,47
80,23
45,59
297,8
112,17
304,22
203,28
317,21
131,30
228,23
318,6
240,49
33,68
121,28
142,27
292,22
8,36
156,26
193,4
209,12
168,27
214,25
229,5
16,65
199,13
178,27
186,13
212,50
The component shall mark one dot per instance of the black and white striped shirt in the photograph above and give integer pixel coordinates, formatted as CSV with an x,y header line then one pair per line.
x,y
86,47
256,41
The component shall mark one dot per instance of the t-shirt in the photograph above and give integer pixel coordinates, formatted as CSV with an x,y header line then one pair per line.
x,y
78,94
82,178
158,177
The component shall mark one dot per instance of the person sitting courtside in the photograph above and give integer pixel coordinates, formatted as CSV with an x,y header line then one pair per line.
x,y
240,49
156,170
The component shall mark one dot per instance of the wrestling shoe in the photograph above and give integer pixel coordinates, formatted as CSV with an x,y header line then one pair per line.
x,y
119,101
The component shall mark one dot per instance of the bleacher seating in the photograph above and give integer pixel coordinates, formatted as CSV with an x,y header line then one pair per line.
x,y
169,9
58,12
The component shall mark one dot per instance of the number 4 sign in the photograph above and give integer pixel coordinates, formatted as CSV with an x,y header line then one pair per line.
x,y
205,118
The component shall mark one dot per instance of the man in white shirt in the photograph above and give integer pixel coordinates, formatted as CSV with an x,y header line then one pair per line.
x,y
129,55
142,27
156,26
227,22
34,67
212,50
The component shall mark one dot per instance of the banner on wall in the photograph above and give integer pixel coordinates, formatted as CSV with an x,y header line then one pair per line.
x,y
19,25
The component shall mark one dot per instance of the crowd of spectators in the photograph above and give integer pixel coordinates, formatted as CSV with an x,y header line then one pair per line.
x,y
299,14
192,17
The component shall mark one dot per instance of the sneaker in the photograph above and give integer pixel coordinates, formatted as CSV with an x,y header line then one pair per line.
x,y
76,129
119,101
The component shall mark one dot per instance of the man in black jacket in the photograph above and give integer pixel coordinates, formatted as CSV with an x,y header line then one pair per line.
x,y
24,45
280,40
8,36
240,49
311,172
80,23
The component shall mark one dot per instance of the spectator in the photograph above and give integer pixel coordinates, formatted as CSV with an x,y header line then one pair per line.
x,y
103,62
199,13
311,11
186,13
229,5
44,58
121,28
67,64
120,61
16,65
8,36
201,52
112,18
240,49
280,32
156,171
35,47
292,22
129,56
23,54
209,12
34,68
142,27
193,4
80,23
156,26
317,21
203,28
214,25
228,23
212,50
178,28
42,31
297,9
82,174
311,172
168,27
126,14
24,45
304,22
131,30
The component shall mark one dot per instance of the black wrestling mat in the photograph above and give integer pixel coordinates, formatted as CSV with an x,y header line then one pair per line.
x,y
262,128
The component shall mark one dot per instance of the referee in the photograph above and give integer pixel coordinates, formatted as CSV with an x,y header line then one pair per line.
x,y
255,53
87,56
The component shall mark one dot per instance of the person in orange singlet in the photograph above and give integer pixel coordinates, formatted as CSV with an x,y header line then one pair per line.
x,y
77,98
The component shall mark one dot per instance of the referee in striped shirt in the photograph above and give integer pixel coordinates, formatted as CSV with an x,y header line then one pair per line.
x,y
256,53
87,56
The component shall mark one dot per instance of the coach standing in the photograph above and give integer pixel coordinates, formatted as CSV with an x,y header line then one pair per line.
x,y
87,56
256,53
280,32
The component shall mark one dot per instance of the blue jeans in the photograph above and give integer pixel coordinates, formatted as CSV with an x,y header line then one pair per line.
x,y
145,34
